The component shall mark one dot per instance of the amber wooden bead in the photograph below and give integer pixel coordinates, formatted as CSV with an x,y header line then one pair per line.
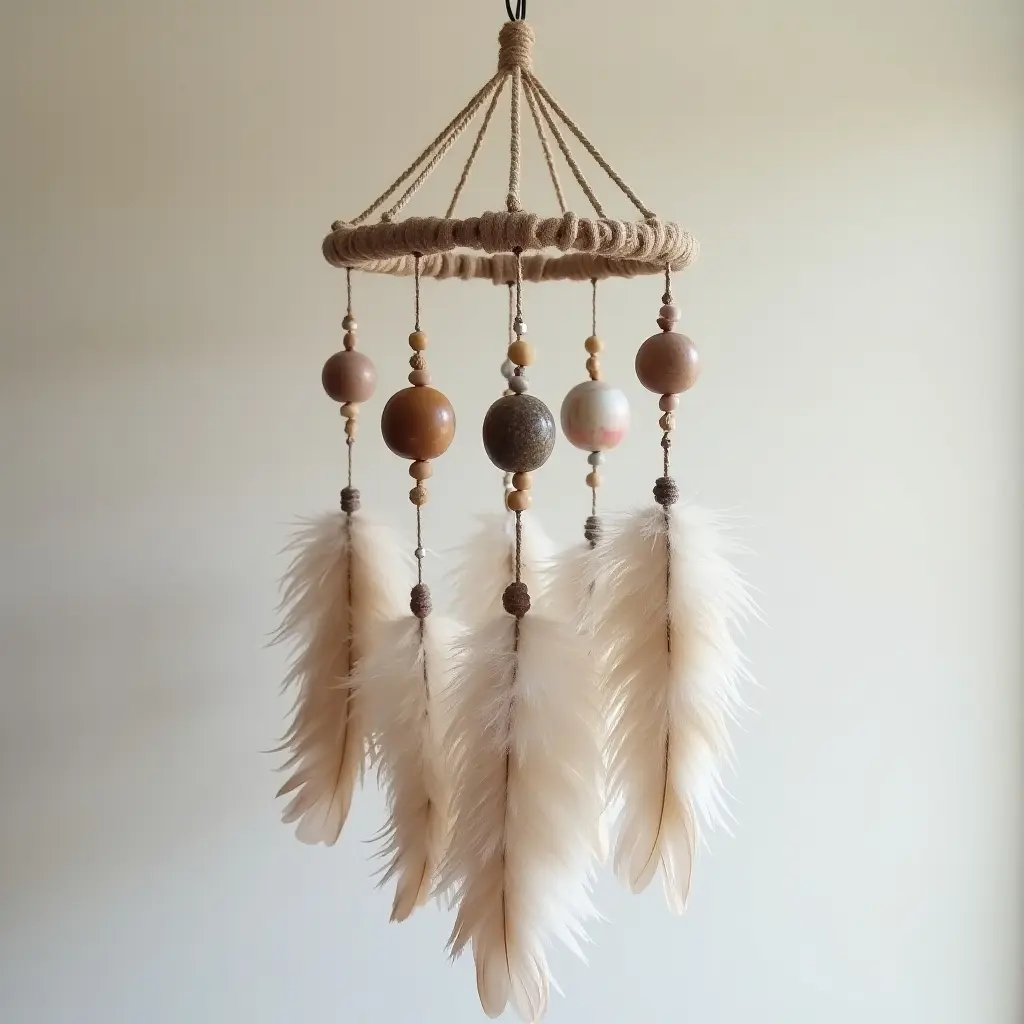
x,y
349,376
521,352
522,481
518,501
593,345
418,341
418,495
421,471
418,423
667,363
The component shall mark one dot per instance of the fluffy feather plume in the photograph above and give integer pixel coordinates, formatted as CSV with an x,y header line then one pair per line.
x,y
673,599
487,561
402,685
346,577
527,804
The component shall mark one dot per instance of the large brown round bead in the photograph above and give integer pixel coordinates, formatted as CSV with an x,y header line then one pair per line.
x,y
667,363
349,376
519,433
418,423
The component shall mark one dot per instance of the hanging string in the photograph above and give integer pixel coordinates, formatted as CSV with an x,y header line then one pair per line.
x,y
349,438
593,306
419,545
519,547
667,297
416,281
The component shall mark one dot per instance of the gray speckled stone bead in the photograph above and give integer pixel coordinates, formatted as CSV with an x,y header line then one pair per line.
x,y
519,433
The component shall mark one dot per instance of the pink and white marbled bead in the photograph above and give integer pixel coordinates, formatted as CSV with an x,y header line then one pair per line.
x,y
595,416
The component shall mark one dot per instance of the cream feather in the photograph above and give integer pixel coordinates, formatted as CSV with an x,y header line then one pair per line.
x,y
346,577
527,801
486,563
402,686
673,600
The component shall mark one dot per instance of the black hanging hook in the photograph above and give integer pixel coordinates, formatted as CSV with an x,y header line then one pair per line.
x,y
519,14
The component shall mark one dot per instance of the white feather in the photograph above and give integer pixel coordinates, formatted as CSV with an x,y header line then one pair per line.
x,y
346,577
486,563
403,686
527,802
672,602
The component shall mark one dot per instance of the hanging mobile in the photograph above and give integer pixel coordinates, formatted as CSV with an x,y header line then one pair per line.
x,y
344,581
673,664
403,683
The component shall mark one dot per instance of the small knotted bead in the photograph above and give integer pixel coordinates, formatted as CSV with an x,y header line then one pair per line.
x,y
516,599
666,491
592,530
349,500
419,601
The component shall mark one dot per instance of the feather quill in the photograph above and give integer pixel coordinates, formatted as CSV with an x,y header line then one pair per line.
x,y
524,740
667,622
346,577
402,686
487,561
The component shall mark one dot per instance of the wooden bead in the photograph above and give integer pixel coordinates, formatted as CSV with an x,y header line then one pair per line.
x,y
519,433
670,312
594,368
667,421
418,341
522,481
418,423
595,416
418,495
594,479
521,352
518,501
593,345
349,341
419,378
349,377
350,410
668,403
667,363
421,471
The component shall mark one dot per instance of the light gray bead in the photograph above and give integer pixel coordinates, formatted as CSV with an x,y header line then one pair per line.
x,y
519,385
419,553
508,368
595,458
518,327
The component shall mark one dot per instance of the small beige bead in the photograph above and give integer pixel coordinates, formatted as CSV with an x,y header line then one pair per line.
x,y
418,495
349,323
421,470
518,501
419,378
594,479
594,368
418,341
521,352
350,428
668,421
668,403
350,410
669,312
522,481
349,341
593,345
418,361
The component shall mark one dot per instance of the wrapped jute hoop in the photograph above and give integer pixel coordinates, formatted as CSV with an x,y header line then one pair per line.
x,y
565,248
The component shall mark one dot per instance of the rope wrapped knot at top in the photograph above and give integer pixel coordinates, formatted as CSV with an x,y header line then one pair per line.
x,y
593,247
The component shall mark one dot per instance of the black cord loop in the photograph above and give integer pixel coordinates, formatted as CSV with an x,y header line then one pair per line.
x,y
520,12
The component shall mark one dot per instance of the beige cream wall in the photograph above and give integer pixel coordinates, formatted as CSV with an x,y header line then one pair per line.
x,y
853,172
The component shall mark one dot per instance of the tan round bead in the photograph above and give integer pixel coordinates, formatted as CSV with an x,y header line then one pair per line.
x,y
594,368
594,479
668,403
349,341
350,428
350,410
667,421
518,501
418,361
593,344
418,495
421,470
418,341
419,378
349,377
667,363
418,423
521,352
522,481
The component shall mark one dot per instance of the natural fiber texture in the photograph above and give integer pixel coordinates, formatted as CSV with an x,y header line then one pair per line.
x,y
672,603
403,686
486,564
346,578
527,803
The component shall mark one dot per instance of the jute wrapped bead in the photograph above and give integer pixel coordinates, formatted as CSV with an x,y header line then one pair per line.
x,y
516,599
418,495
